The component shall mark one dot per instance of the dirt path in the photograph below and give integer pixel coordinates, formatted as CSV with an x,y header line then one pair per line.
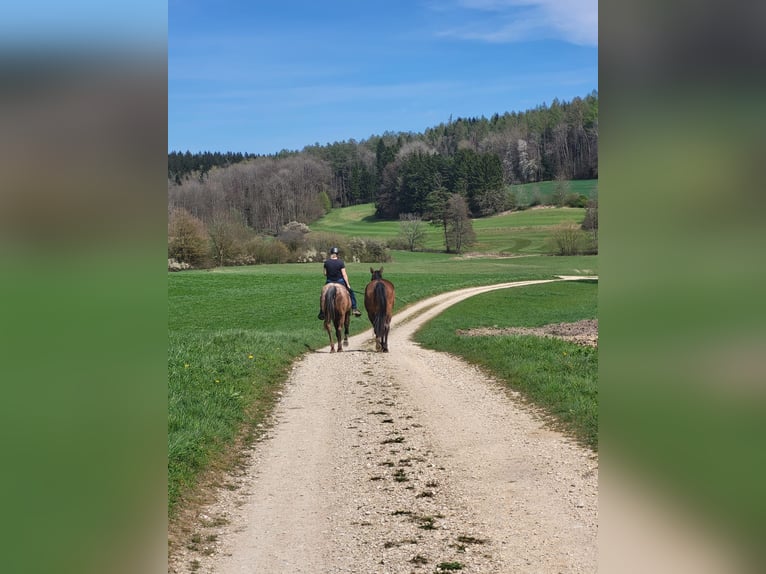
x,y
410,461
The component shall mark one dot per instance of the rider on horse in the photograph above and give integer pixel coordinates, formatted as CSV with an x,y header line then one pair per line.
x,y
335,271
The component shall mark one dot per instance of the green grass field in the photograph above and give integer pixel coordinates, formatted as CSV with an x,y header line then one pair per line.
x,y
518,232
234,332
544,190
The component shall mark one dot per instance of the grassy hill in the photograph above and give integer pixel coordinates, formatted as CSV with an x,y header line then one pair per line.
x,y
514,233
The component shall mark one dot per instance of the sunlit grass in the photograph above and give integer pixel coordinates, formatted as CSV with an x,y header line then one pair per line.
x,y
517,232
219,319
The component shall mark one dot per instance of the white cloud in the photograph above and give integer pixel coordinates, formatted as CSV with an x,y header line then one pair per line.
x,y
504,21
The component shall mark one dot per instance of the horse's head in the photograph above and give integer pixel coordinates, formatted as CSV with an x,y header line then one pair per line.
x,y
376,274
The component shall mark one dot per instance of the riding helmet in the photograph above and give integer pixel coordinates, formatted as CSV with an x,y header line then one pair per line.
x,y
334,250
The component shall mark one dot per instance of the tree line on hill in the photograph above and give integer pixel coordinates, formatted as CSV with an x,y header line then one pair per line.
x,y
183,165
467,160
474,157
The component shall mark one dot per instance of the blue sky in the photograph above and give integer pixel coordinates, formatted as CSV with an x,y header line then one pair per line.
x,y
260,77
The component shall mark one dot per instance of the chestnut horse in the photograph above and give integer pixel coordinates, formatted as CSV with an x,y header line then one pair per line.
x,y
335,303
379,302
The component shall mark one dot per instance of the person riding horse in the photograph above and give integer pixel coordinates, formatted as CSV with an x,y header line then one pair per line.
x,y
335,271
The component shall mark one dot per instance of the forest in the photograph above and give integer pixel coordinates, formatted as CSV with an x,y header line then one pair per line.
x,y
404,173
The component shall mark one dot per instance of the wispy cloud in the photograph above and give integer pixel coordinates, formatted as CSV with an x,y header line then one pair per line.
x,y
506,21
322,94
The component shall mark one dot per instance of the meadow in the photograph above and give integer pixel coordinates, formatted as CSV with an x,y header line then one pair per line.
x,y
234,332
512,233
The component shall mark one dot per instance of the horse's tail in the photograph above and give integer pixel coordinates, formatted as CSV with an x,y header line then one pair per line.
x,y
329,303
380,316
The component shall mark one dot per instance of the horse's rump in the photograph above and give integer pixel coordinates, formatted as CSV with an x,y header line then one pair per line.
x,y
336,305
379,306
379,302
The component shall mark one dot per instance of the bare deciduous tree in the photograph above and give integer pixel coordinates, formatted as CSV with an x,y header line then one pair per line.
x,y
412,230
226,234
460,233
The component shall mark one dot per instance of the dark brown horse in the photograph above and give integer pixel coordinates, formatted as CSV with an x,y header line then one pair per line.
x,y
335,303
379,302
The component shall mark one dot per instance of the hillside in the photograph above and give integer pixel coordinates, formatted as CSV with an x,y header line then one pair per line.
x,y
511,233
493,164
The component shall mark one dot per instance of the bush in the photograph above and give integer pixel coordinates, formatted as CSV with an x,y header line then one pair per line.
x,y
568,239
399,243
319,243
174,265
260,250
368,250
292,239
576,200
187,238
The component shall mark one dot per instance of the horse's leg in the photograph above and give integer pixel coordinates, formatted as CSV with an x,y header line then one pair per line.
x,y
338,336
345,328
386,328
379,329
329,334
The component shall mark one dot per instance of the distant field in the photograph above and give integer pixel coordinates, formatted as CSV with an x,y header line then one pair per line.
x,y
518,232
544,190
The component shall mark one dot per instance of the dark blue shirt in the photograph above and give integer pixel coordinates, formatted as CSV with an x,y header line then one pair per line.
x,y
333,268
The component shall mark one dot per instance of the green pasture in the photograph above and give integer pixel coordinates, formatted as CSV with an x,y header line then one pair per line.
x,y
517,232
559,376
543,191
234,332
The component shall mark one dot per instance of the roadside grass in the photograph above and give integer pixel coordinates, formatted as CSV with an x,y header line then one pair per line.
x,y
214,386
219,318
517,232
559,376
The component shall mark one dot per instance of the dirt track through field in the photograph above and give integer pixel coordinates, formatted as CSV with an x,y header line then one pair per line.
x,y
402,462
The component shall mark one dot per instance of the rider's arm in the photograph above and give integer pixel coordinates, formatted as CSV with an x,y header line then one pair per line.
x,y
345,277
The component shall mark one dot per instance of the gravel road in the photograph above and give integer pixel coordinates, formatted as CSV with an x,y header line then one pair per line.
x,y
409,461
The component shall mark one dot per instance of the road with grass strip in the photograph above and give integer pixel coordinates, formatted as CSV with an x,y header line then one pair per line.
x,y
404,461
